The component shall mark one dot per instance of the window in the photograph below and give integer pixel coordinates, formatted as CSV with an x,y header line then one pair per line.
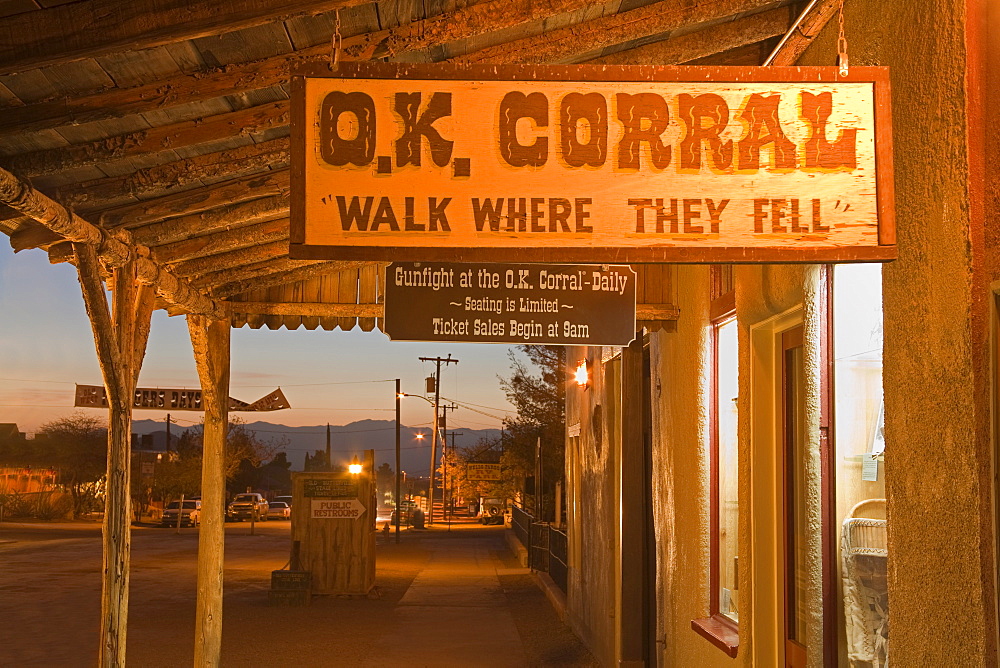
x,y
725,468
721,627
863,624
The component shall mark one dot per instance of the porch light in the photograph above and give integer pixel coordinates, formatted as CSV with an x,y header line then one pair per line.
x,y
355,466
582,374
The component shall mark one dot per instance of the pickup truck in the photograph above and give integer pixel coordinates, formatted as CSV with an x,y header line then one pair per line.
x,y
247,506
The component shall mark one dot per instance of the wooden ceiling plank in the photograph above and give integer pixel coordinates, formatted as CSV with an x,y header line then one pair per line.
x,y
223,242
448,27
368,280
807,31
241,189
96,27
329,292
189,133
348,294
233,261
715,39
210,166
562,45
301,273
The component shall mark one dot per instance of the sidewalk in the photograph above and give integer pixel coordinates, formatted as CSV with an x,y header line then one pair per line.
x,y
455,612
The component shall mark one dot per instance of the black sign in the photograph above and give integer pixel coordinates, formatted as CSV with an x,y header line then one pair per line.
x,y
329,488
563,304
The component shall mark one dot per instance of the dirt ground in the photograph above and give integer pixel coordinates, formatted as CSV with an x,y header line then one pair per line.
x,y
50,592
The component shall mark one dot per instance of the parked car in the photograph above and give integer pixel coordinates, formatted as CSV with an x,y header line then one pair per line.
x,y
279,510
491,511
249,506
406,509
286,499
190,513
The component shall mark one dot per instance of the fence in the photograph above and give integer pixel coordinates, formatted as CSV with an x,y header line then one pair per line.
x,y
546,545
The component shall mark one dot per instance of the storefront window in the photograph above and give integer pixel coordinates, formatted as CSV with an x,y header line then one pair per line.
x,y
725,462
862,553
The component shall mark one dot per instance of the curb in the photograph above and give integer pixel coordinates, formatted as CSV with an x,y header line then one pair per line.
x,y
520,553
552,592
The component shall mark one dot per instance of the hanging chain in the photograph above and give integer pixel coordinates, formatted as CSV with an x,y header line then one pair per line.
x,y
842,44
336,41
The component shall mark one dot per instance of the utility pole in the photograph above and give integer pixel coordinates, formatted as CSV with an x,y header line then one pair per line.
x,y
399,508
168,432
329,464
434,437
448,486
444,457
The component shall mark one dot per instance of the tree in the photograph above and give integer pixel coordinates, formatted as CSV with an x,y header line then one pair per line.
x,y
245,453
78,446
540,401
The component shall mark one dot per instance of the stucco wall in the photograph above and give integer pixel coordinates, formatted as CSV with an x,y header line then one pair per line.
x,y
938,453
680,473
591,595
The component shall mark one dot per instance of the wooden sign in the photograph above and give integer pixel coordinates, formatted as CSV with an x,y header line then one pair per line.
x,y
95,396
480,471
339,555
336,509
591,164
329,488
554,304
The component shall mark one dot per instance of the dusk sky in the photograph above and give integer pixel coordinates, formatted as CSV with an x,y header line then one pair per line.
x,y
46,346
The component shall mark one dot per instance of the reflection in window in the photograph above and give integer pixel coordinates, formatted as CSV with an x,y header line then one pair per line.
x,y
857,349
725,460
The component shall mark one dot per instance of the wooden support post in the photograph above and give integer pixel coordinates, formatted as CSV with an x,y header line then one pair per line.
x,y
120,336
210,340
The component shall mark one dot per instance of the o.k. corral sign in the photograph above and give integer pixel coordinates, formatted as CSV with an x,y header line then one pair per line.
x,y
557,304
591,164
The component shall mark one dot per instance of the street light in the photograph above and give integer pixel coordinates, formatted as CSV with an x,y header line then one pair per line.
x,y
355,466
434,440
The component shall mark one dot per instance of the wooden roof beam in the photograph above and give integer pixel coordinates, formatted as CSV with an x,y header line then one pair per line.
x,y
307,309
233,262
266,73
312,269
193,202
211,245
115,251
808,30
240,123
566,44
234,217
210,166
268,267
33,235
92,28
715,39
463,23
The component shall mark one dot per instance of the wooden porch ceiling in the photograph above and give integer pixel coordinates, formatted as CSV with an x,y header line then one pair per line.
x,y
164,123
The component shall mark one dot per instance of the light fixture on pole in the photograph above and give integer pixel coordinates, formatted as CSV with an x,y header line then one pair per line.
x,y
355,466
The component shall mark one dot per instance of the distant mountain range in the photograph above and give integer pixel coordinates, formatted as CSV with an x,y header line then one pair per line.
x,y
345,440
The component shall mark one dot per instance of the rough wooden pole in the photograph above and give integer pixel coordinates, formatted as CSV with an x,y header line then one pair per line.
x,y
120,336
210,340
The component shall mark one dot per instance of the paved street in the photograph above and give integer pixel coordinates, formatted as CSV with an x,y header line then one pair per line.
x,y
445,599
